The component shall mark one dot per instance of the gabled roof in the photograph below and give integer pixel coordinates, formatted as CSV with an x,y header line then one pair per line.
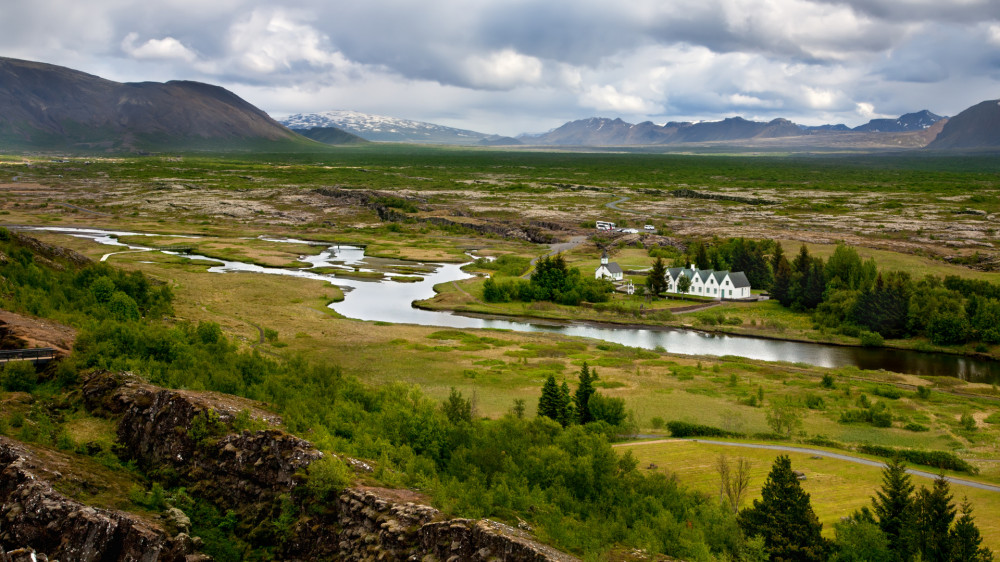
x,y
719,276
739,279
675,272
613,267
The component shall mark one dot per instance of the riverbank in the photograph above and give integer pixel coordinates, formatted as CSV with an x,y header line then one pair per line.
x,y
764,320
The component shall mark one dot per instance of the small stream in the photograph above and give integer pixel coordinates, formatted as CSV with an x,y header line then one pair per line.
x,y
390,301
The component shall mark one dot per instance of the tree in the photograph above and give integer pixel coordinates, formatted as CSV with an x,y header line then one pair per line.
x,y
683,284
657,278
548,404
608,409
893,506
456,408
965,538
934,514
123,307
701,260
567,414
783,419
859,539
733,481
583,393
784,517
781,289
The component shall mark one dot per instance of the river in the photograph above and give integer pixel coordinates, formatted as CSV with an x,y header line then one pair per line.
x,y
389,301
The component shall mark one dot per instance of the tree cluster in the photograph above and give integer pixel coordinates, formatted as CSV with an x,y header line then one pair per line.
x,y
553,281
584,406
903,524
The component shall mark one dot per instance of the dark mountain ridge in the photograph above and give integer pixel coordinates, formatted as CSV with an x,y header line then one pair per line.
x,y
51,107
976,127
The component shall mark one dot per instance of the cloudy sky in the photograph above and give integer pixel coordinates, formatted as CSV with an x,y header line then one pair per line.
x,y
513,66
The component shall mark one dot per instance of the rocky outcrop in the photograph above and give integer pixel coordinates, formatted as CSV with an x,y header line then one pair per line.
x,y
253,472
39,523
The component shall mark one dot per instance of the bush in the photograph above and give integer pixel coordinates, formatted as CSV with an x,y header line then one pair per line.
x,y
18,376
936,459
685,429
923,392
827,381
889,392
913,426
328,476
872,339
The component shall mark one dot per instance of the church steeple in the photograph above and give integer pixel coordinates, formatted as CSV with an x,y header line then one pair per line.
x,y
604,257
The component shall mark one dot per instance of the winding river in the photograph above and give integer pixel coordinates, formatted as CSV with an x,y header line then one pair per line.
x,y
390,301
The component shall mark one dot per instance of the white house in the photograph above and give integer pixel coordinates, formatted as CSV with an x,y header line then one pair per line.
x,y
710,283
606,270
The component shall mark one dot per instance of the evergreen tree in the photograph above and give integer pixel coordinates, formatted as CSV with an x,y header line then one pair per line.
x,y
934,514
802,261
893,506
776,257
548,404
965,538
781,289
701,260
584,391
656,281
784,518
567,414
814,286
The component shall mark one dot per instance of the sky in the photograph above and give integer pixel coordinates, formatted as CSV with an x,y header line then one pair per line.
x,y
526,66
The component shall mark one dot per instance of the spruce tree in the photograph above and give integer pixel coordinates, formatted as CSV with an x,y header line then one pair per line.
x,y
567,413
893,506
584,391
781,289
701,260
548,404
934,515
776,257
656,281
965,538
784,518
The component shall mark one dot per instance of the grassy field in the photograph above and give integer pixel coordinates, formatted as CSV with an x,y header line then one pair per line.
x,y
836,487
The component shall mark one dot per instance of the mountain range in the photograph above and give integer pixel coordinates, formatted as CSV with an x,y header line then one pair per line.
x,y
49,107
380,128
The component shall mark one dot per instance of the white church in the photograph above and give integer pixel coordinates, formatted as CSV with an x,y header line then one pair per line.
x,y
611,271
710,283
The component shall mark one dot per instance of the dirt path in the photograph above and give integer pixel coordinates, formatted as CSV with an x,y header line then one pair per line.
x,y
36,332
820,452
83,210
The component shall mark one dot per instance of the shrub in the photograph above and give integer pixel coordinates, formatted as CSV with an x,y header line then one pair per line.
x,y
686,429
657,422
827,381
814,402
889,392
18,376
924,392
936,459
872,339
914,426
327,477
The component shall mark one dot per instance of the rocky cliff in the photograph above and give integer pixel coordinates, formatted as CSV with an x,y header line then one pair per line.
x,y
255,472
39,523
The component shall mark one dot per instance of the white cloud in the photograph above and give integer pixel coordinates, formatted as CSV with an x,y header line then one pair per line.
x,y
994,34
167,48
608,98
503,69
270,41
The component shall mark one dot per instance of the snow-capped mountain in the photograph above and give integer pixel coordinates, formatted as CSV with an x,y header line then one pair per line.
x,y
386,129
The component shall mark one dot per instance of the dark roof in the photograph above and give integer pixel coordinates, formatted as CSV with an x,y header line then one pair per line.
x,y
719,276
613,267
739,279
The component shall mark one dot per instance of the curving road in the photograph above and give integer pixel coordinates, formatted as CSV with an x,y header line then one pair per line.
x,y
820,452
555,249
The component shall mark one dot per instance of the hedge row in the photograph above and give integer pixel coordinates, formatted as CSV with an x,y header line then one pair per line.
x,y
937,459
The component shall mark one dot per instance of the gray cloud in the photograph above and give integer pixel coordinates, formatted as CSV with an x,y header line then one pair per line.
x,y
518,65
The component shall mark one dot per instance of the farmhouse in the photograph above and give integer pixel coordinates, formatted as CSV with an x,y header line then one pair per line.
x,y
606,270
710,283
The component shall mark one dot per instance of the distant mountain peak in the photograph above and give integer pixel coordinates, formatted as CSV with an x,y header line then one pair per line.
x,y
386,129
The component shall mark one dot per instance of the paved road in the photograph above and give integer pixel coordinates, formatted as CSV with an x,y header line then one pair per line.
x,y
614,205
822,453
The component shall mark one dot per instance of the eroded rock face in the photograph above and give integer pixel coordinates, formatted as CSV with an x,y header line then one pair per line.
x,y
252,472
37,520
